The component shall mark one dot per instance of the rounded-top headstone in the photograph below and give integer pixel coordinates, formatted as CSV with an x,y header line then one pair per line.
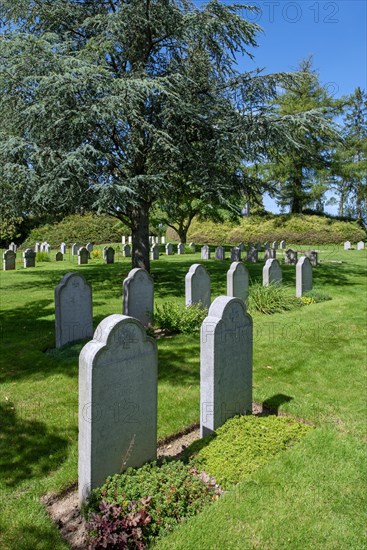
x,y
271,272
138,295
238,281
197,286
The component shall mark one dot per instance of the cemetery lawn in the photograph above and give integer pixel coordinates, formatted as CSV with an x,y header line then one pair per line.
x,y
309,363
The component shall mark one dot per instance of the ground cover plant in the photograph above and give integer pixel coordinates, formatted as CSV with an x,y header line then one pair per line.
x,y
308,363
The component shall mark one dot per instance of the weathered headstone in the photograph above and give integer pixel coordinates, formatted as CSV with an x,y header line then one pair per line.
x,y
154,252
126,251
117,401
266,245
104,252
47,248
29,258
63,248
252,255
360,245
238,281
138,295
89,247
74,249
192,247
235,254
13,247
169,249
225,363
197,286
109,255
269,253
290,257
303,276
163,239
123,239
130,240
59,256
258,247
73,309
313,256
180,248
83,255
42,247
347,245
274,246
205,252
271,272
37,247
241,246
220,253
9,258
282,245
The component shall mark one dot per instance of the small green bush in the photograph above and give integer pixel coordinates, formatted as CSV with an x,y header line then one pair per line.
x,y
274,298
172,491
317,296
177,318
43,257
96,254
243,444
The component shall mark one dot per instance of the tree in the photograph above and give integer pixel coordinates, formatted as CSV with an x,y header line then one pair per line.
x,y
103,100
297,174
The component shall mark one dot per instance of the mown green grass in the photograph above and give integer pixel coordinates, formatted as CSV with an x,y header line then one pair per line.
x,y
309,362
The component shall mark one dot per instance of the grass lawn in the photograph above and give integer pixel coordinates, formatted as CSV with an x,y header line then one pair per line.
x,y
310,362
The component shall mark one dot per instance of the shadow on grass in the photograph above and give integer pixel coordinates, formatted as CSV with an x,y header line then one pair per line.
x,y
28,449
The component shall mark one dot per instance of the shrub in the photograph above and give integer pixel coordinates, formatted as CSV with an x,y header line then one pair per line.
x,y
167,493
317,296
43,257
274,298
177,318
96,254
243,444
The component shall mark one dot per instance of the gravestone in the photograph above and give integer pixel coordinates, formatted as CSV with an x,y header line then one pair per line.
x,y
192,247
154,252
9,258
235,254
83,256
169,249
252,255
290,257
266,245
274,246
37,247
130,240
117,401
163,239
126,251
104,252
13,247
109,255
347,245
269,253
47,248
238,281
205,252
258,246
138,295
123,239
303,276
74,249
63,248
360,245
197,286
241,246
180,248
225,363
59,256
220,253
29,257
89,247
282,245
271,272
73,309
312,255
42,247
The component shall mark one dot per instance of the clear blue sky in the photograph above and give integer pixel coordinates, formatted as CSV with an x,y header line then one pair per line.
x,y
334,32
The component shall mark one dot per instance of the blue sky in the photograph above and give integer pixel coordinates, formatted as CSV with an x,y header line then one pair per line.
x,y
334,32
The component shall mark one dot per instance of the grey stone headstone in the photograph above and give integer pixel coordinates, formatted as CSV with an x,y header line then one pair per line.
x,y
138,295
347,245
169,249
47,248
271,272
73,309
109,255
274,245
126,251
192,247
29,257
63,248
225,363
104,252
180,248
83,255
269,253
59,256
130,240
220,253
266,245
89,247
241,246
154,252
290,257
13,247
123,239
258,247
117,401
303,276
42,247
360,245
37,247
205,252
9,258
197,286
252,255
163,239
74,249
313,256
235,254
238,281
282,245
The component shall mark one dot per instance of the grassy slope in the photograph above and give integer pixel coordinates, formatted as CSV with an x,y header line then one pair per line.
x,y
308,362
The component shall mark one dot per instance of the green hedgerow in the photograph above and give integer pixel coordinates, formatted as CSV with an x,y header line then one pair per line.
x,y
178,318
270,299
243,443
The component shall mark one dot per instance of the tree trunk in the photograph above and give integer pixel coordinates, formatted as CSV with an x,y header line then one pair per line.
x,y
182,233
140,236
297,198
